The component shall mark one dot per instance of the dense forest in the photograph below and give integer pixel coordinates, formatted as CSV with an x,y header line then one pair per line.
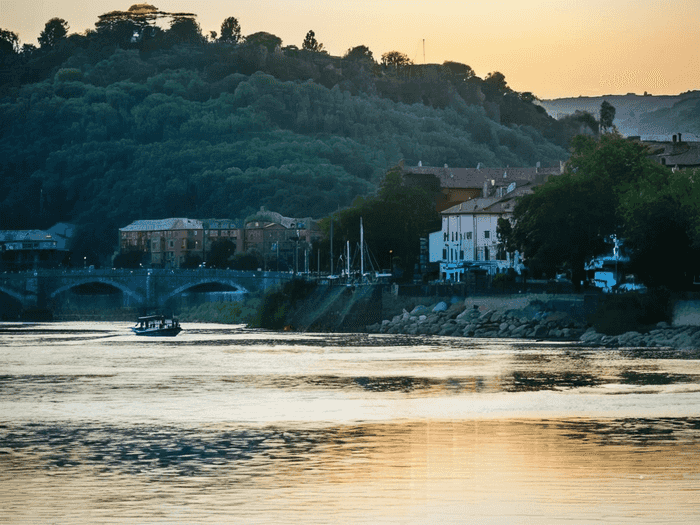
x,y
133,120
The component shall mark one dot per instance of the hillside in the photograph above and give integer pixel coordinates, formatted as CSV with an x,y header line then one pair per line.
x,y
100,134
651,117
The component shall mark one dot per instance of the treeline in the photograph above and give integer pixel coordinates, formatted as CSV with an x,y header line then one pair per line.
x,y
132,121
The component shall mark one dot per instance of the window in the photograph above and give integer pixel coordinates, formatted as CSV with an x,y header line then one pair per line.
x,y
171,244
469,235
444,254
461,254
487,234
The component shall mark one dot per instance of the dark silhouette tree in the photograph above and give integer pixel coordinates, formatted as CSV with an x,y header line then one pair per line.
x,y
359,53
9,42
458,71
311,44
54,32
607,115
184,29
230,31
567,221
221,254
395,59
269,41
497,81
125,27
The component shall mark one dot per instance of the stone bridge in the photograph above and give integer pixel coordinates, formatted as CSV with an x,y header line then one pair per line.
x,y
150,288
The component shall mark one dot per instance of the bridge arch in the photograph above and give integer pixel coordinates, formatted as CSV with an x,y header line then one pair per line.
x,y
194,284
138,298
15,295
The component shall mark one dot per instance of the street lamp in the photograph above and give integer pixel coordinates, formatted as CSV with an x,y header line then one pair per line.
x,y
85,262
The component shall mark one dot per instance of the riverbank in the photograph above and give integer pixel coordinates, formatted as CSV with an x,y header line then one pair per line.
x,y
560,318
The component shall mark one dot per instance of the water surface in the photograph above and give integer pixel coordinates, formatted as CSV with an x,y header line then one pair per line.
x,y
227,425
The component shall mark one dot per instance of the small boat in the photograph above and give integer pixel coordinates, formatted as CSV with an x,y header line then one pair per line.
x,y
157,325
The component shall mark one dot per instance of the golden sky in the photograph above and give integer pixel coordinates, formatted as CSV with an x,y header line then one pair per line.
x,y
553,48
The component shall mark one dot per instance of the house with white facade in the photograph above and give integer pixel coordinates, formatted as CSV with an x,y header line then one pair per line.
x,y
468,238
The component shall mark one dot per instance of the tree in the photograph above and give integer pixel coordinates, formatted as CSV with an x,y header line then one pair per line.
x,y
230,31
504,232
359,53
497,81
395,59
607,115
9,42
221,254
458,71
185,29
311,44
662,228
54,31
394,221
566,221
269,41
135,24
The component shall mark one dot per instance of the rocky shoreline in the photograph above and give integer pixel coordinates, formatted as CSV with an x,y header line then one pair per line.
x,y
539,320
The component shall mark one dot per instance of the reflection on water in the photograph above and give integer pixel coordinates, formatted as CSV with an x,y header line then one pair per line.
x,y
227,425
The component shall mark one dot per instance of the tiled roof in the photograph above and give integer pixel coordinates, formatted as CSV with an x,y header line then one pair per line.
x,y
685,154
163,224
475,177
490,205
24,235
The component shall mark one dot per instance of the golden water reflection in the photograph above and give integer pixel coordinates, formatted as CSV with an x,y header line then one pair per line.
x,y
434,471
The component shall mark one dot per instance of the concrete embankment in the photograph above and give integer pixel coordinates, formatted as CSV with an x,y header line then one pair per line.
x,y
541,318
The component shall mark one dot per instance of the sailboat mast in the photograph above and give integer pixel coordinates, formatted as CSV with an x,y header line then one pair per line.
x,y
362,250
347,259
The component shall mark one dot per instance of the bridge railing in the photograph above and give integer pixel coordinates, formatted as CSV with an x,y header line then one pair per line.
x,y
208,272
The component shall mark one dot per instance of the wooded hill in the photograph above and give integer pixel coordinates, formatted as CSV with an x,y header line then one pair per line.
x,y
102,129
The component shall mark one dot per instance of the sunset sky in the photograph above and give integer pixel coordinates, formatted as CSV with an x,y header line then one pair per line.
x,y
553,48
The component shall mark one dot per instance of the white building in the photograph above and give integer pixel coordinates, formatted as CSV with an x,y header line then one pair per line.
x,y
469,239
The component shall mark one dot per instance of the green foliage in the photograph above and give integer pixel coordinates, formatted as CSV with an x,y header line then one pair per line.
x,y
607,115
230,31
186,30
460,72
393,221
612,188
9,42
266,40
311,44
497,82
278,303
223,312
130,259
121,123
54,32
221,254
620,313
249,261
359,53
395,60
662,228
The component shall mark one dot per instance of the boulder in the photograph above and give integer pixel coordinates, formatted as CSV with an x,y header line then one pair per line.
x,y
440,307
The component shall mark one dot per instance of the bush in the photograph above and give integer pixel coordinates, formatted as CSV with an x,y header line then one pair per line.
x,y
277,304
622,313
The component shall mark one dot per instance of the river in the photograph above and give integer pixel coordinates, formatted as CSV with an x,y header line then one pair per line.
x,y
222,424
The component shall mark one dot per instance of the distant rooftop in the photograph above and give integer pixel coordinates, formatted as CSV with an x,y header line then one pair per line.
x,y
163,224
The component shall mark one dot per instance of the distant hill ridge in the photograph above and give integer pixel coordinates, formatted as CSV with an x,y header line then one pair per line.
x,y
652,117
